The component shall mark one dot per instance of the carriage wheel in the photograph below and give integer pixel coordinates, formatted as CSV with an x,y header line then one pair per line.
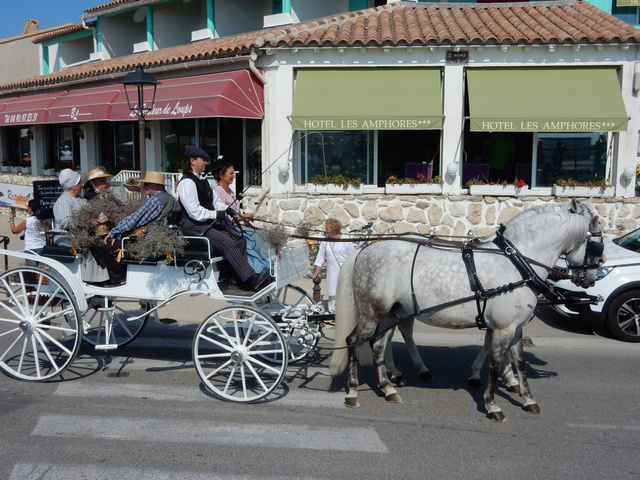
x,y
106,323
284,306
39,327
227,352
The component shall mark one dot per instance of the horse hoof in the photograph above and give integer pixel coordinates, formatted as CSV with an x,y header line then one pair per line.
x,y
425,376
533,408
351,402
513,388
393,398
475,383
496,417
398,381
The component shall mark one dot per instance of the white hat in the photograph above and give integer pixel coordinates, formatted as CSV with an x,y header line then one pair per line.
x,y
68,179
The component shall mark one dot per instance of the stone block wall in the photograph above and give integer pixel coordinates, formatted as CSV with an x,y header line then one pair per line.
x,y
459,215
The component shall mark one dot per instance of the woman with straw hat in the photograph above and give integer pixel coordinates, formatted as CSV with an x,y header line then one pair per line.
x,y
97,183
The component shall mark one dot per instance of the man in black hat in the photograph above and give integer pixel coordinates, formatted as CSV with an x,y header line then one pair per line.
x,y
200,209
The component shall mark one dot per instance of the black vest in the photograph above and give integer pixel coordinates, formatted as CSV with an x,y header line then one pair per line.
x,y
205,194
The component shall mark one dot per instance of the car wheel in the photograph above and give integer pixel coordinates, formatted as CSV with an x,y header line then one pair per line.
x,y
623,316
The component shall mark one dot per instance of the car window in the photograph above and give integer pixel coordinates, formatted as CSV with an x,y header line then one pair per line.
x,y
630,241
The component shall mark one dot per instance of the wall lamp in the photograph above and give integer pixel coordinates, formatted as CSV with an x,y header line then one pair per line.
x,y
452,169
283,168
629,172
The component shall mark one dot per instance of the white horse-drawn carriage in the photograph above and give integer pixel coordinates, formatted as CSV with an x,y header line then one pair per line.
x,y
240,351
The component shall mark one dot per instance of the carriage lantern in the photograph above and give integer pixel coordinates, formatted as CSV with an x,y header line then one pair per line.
x,y
139,79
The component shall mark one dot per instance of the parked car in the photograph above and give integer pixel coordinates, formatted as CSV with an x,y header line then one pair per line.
x,y
618,282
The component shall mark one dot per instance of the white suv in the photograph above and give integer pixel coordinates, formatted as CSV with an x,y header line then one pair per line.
x,y
618,282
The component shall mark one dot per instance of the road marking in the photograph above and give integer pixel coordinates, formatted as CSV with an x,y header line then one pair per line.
x,y
604,426
48,471
167,393
308,437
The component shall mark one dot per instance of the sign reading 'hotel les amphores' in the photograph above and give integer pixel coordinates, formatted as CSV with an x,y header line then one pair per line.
x,y
366,123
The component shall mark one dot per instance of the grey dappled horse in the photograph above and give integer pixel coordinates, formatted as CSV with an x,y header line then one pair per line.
x,y
375,289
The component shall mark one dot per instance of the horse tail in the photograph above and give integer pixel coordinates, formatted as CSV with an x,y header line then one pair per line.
x,y
346,315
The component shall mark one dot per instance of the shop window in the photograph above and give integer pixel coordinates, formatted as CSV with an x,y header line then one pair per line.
x,y
346,152
208,136
62,146
17,151
118,146
408,153
176,135
497,156
581,156
253,149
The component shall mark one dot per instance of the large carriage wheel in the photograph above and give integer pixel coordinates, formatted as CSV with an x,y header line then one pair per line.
x,y
283,305
227,352
39,328
106,324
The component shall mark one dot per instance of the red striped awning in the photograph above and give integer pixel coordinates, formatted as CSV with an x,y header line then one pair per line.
x,y
84,105
237,94
29,109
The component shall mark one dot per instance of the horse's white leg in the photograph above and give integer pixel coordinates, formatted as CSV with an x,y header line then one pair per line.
x,y
363,330
379,348
406,329
501,341
507,371
476,366
530,405
396,375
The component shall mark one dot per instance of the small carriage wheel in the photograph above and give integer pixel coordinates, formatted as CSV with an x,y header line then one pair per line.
x,y
227,351
120,331
39,328
301,335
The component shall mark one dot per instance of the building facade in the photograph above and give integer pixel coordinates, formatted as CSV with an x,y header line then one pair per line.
x,y
531,93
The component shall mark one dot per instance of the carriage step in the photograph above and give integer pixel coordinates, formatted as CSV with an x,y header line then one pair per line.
x,y
107,346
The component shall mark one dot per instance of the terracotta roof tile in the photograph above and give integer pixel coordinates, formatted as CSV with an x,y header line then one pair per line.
x,y
392,24
75,27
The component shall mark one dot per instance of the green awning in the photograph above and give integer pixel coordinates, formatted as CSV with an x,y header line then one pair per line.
x,y
367,99
545,100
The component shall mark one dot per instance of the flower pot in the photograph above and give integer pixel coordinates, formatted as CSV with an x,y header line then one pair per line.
x,y
14,169
48,172
581,191
25,170
412,189
498,190
332,189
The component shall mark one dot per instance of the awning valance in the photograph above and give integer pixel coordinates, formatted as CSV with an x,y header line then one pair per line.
x,y
237,94
29,109
545,100
84,105
627,3
367,99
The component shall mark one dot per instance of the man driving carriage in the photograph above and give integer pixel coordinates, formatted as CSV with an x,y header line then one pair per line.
x,y
200,209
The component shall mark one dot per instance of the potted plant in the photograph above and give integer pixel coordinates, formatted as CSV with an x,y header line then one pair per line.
x,y
335,184
25,164
406,185
573,188
500,188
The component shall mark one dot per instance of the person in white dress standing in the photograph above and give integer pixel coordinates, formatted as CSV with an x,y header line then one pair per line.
x,y
335,254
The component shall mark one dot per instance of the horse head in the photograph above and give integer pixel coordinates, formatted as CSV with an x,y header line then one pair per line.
x,y
585,259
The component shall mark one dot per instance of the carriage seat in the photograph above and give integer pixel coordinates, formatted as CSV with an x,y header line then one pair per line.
x,y
57,244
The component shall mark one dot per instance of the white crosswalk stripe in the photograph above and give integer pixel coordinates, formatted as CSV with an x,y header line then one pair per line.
x,y
46,471
212,432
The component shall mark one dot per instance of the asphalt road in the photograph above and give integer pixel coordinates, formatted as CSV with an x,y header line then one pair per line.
x,y
141,412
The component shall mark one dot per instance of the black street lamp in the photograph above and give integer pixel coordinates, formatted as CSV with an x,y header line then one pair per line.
x,y
140,79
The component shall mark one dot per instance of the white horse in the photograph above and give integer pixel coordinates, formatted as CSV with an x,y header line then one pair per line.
x,y
399,279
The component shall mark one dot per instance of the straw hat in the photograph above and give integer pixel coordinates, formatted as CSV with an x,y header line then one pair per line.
x,y
97,173
153,177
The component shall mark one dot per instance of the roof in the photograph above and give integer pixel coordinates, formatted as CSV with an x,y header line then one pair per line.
x,y
62,31
400,23
38,32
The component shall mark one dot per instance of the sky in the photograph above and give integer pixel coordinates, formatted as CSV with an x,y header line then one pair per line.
x,y
50,13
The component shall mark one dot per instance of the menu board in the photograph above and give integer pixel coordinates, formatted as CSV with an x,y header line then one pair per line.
x,y
47,192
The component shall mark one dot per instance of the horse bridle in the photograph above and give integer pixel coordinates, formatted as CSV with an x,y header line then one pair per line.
x,y
593,249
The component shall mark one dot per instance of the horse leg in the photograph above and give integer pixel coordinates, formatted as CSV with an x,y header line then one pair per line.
x,y
507,371
517,351
406,329
501,341
379,347
396,375
362,330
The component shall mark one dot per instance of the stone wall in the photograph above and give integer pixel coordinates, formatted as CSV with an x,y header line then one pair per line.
x,y
439,214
